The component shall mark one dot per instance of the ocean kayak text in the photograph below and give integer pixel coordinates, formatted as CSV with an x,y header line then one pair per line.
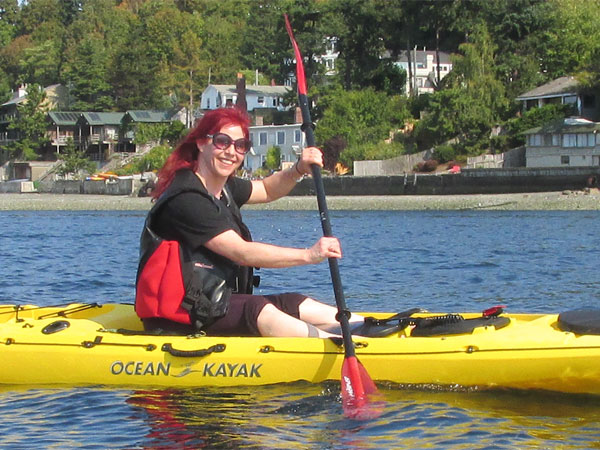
x,y
208,370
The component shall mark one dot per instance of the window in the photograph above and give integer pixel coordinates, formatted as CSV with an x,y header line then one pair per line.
x,y
556,140
297,136
281,138
569,140
581,140
535,140
591,139
564,159
262,138
274,102
208,103
260,100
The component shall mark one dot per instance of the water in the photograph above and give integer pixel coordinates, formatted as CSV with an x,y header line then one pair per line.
x,y
443,261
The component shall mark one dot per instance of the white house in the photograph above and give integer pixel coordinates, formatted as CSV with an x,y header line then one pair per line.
x,y
571,142
424,69
220,95
289,138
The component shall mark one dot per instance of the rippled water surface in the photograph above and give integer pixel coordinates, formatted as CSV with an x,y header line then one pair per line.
x,y
443,261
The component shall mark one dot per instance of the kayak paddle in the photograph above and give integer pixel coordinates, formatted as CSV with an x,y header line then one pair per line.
x,y
357,385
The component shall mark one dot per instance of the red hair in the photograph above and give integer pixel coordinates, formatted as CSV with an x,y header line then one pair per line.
x,y
185,156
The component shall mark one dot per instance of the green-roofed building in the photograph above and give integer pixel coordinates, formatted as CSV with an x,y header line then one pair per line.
x,y
99,133
62,126
134,118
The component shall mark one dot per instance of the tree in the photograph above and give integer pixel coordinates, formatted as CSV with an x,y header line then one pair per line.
x,y
358,116
570,38
87,75
29,126
9,12
273,160
75,162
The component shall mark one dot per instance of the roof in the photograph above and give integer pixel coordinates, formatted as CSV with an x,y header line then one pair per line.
x,y
253,89
556,88
64,118
421,56
17,99
152,116
570,125
103,118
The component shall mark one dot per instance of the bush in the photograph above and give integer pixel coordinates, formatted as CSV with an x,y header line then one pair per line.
x,y
370,151
151,161
445,153
427,166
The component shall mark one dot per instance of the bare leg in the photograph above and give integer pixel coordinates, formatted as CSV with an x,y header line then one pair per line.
x,y
318,313
273,322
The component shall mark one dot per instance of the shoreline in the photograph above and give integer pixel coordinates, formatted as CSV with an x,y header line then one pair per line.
x,y
542,201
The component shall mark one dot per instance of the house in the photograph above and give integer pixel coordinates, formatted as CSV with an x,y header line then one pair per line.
x,y
424,69
131,120
99,134
563,90
257,97
62,125
289,138
57,97
571,142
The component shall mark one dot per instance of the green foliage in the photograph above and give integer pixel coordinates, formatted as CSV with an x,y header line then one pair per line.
x,y
273,159
87,72
445,153
150,132
75,162
364,116
370,151
151,161
535,117
174,132
151,54
29,126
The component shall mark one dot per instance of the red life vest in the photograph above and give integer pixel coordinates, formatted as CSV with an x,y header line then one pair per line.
x,y
177,284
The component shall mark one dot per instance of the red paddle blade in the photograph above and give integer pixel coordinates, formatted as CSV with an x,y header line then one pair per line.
x,y
357,386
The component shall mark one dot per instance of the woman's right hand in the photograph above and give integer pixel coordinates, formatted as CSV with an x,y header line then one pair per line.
x,y
324,248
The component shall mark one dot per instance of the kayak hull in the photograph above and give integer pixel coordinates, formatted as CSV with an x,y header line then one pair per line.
x,y
83,344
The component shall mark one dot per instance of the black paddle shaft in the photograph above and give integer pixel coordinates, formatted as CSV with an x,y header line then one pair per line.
x,y
343,313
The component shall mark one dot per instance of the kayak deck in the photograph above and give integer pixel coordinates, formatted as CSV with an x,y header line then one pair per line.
x,y
105,344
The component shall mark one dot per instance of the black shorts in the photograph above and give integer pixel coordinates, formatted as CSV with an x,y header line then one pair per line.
x,y
241,318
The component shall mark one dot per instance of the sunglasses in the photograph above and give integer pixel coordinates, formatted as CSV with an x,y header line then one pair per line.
x,y
223,141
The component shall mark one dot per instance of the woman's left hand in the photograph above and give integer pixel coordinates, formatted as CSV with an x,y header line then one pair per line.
x,y
310,156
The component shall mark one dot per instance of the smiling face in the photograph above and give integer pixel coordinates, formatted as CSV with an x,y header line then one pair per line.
x,y
220,163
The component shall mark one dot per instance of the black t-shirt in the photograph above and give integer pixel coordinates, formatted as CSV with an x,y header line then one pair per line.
x,y
192,218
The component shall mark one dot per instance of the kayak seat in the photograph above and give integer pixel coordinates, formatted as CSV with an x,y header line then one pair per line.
x,y
447,324
451,324
580,321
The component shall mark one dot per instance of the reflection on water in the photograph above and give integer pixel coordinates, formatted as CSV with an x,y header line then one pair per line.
x,y
443,261
294,416
287,417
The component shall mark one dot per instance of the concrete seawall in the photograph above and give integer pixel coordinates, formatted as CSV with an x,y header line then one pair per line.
x,y
470,181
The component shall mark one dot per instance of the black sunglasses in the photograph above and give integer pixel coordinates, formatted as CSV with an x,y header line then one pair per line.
x,y
223,141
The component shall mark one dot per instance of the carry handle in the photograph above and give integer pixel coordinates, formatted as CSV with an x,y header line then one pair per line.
x,y
217,348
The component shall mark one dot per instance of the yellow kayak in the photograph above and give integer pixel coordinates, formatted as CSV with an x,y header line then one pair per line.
x,y
83,344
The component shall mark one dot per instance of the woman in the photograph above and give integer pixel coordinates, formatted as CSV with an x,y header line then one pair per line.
x,y
198,207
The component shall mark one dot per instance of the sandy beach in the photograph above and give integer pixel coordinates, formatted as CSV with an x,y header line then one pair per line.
x,y
567,200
